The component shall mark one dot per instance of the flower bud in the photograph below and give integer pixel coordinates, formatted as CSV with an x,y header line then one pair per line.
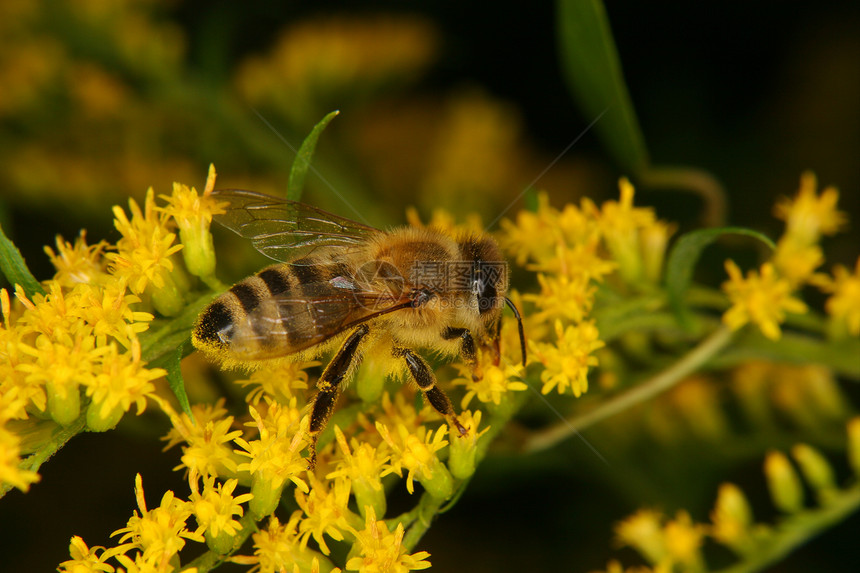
x,y
783,482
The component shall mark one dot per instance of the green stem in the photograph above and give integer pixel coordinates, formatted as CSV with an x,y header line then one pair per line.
x,y
645,391
797,530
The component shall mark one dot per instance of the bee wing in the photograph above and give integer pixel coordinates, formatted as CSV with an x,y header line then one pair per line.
x,y
286,230
288,323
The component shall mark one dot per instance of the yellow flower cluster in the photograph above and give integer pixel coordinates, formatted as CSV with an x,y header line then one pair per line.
x,y
318,59
764,297
676,544
268,457
71,354
574,250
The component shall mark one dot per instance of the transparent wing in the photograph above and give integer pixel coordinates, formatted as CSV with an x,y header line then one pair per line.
x,y
286,230
292,322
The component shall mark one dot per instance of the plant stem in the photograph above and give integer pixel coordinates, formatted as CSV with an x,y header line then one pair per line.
x,y
645,391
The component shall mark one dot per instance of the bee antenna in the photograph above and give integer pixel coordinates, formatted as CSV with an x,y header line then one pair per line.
x,y
519,318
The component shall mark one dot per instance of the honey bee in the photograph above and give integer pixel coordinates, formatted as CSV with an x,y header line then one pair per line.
x,y
343,284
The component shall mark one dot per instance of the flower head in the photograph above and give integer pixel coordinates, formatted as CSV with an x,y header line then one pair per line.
x,y
79,263
214,509
762,299
85,559
382,551
159,533
193,214
416,452
808,215
844,303
566,363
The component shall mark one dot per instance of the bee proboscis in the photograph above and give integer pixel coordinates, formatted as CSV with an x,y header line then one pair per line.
x,y
339,283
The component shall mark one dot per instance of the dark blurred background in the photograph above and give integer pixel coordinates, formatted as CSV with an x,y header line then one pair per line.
x,y
452,105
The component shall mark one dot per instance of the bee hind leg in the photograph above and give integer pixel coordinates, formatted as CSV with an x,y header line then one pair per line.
x,y
426,380
344,361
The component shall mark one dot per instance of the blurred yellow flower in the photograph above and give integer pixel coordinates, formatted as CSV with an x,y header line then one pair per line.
x,y
762,299
844,304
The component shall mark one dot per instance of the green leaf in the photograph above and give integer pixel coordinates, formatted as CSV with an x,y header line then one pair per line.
x,y
592,69
300,167
684,256
15,269
175,380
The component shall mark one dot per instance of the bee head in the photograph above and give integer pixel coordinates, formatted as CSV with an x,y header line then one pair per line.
x,y
488,277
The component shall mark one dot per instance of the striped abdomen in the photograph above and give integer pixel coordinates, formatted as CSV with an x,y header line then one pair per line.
x,y
278,311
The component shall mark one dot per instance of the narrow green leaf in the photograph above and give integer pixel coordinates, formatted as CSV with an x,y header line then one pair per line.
x,y
175,380
15,269
684,256
302,163
592,69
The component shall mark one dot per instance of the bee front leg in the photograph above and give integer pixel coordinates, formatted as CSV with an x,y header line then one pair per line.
x,y
467,348
328,385
426,380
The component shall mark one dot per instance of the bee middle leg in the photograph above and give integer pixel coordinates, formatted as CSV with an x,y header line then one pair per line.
x,y
426,380
467,348
328,385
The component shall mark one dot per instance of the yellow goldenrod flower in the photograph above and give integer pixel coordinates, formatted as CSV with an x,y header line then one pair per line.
x,y
620,224
79,263
107,311
732,518
644,531
326,512
445,222
10,460
761,299
531,237
49,314
493,384
844,304
786,491
277,549
206,452
808,216
796,262
159,533
474,154
193,214
381,551
363,465
122,380
62,369
143,255
563,297
416,451
684,541
85,559
276,457
567,362
461,461
316,59
214,509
